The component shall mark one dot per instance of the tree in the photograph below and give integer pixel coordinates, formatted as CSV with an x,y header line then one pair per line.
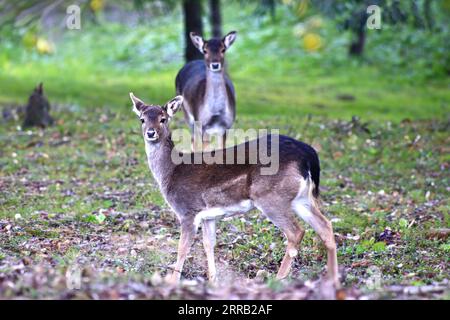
x,y
215,18
192,10
352,15
357,24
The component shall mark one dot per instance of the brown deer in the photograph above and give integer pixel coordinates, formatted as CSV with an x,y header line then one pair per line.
x,y
209,96
37,112
200,193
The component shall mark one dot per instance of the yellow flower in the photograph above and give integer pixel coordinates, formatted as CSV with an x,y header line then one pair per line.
x,y
312,42
96,5
44,46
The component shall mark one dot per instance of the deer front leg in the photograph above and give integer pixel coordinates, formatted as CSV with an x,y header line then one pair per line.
x,y
186,239
223,141
209,242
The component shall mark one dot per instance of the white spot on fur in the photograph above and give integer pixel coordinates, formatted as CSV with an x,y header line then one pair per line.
x,y
212,213
292,253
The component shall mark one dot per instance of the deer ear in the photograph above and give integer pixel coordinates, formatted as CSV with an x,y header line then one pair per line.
x,y
197,41
39,89
173,105
138,104
229,39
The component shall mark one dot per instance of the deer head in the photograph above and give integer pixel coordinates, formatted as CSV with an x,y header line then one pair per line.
x,y
214,49
38,100
155,118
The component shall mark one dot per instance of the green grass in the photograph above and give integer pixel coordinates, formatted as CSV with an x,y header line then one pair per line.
x,y
260,94
273,75
398,188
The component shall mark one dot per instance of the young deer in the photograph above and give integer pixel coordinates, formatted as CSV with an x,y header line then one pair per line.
x,y
208,92
198,193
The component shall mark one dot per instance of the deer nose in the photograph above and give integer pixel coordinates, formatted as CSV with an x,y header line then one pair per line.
x,y
151,133
215,66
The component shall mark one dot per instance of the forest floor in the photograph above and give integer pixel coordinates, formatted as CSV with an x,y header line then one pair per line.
x,y
78,199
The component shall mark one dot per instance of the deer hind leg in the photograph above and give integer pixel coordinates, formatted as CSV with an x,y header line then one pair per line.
x,y
311,214
209,242
284,218
294,234
206,140
186,239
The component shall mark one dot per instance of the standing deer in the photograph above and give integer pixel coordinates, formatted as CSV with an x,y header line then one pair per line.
x,y
199,193
209,96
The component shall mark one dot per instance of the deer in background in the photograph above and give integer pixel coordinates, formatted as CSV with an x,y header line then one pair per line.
x,y
209,96
37,111
200,193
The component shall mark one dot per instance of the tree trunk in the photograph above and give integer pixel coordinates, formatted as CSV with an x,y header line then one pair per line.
x,y
192,23
357,46
418,23
359,28
428,14
215,18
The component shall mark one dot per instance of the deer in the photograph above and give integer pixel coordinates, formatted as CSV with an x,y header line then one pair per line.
x,y
209,95
37,111
203,192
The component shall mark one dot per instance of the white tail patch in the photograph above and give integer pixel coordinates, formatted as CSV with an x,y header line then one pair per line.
x,y
305,200
311,186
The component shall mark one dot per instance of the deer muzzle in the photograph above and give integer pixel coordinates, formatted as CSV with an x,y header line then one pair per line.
x,y
151,135
215,66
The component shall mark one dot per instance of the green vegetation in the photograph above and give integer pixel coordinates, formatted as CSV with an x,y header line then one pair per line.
x,y
98,65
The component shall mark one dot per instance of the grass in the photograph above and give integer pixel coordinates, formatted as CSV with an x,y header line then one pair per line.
x,y
80,191
273,74
383,205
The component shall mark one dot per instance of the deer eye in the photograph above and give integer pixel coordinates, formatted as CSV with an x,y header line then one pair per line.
x,y
163,120
142,120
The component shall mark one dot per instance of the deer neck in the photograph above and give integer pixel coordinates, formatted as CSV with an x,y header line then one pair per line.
x,y
160,161
216,91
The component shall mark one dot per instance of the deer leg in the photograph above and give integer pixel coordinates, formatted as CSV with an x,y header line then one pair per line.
x,y
284,218
324,229
209,242
294,234
223,141
192,143
196,145
186,239
205,142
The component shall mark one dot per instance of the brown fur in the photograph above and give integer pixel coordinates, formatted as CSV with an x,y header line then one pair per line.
x,y
202,192
209,95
